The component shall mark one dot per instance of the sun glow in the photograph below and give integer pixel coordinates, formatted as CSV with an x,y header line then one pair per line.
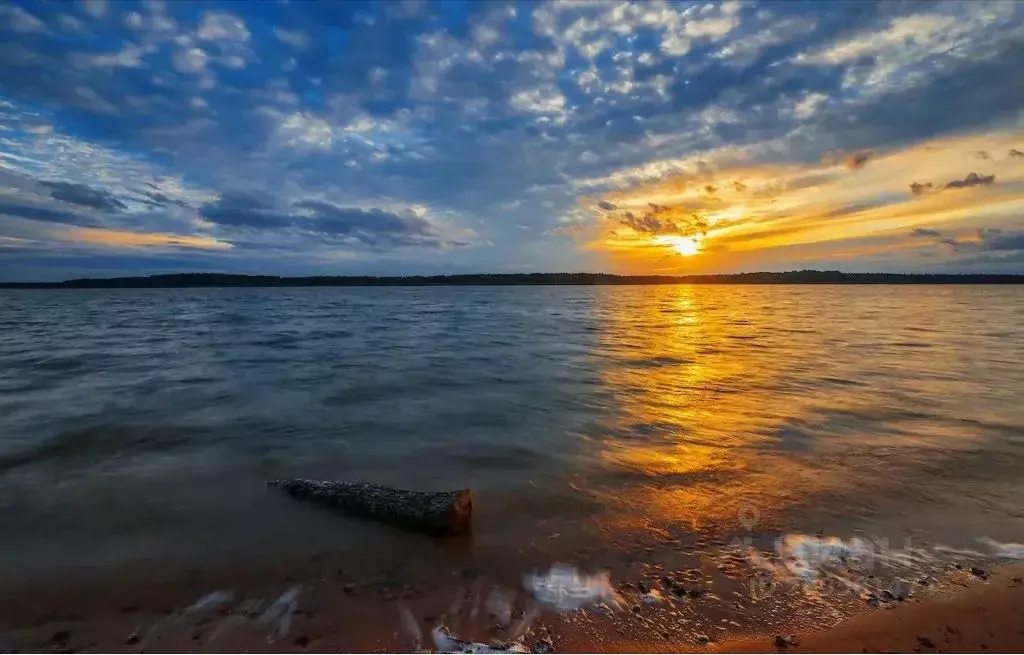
x,y
685,246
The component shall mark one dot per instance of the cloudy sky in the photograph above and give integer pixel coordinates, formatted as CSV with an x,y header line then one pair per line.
x,y
416,137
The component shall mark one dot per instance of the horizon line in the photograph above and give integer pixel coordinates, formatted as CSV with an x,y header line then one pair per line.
x,y
803,276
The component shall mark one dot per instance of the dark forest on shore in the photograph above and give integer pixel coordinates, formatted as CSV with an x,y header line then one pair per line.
x,y
190,280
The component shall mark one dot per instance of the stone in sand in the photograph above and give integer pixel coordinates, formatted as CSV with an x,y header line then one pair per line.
x,y
443,512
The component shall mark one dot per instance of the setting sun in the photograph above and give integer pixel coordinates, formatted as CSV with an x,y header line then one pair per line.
x,y
685,246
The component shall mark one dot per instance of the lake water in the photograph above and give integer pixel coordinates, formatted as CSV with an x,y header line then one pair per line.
x,y
141,425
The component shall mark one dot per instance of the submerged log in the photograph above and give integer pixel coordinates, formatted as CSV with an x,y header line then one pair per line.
x,y
443,512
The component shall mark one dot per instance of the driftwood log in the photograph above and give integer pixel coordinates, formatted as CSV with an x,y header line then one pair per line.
x,y
443,512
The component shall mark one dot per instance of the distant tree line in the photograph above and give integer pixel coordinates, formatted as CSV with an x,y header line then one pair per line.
x,y
189,280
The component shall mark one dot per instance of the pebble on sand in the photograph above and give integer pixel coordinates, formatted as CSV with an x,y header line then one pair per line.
x,y
652,597
783,641
979,572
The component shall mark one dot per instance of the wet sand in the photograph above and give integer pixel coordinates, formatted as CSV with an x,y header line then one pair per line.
x,y
983,617
333,602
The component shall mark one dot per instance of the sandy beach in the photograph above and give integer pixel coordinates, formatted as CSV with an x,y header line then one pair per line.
x,y
322,606
982,618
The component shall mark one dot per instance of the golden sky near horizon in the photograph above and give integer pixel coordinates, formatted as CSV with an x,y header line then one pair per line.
x,y
732,216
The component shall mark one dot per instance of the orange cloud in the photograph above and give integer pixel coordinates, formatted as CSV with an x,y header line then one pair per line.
x,y
117,238
723,212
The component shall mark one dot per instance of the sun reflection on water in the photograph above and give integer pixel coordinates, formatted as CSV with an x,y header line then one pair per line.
x,y
694,438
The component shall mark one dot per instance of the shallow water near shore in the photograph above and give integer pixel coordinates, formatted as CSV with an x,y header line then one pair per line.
x,y
617,429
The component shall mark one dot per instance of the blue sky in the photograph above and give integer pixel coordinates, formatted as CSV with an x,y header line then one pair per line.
x,y
418,137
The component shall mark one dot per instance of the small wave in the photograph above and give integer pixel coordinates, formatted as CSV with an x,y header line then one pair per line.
x,y
1003,550
868,567
666,360
278,341
92,442
564,588
446,642
56,364
843,382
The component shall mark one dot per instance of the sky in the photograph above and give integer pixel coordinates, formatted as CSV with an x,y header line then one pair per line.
x,y
303,138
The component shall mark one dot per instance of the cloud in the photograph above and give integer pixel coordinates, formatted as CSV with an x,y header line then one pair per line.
x,y
1015,153
490,117
659,220
987,240
359,227
857,160
122,238
295,38
972,180
130,56
925,232
305,131
96,9
246,210
81,194
222,26
191,60
997,239
954,244
542,100
18,19
43,214
372,227
159,198
853,160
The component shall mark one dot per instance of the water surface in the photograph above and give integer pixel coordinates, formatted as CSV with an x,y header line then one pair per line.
x,y
143,423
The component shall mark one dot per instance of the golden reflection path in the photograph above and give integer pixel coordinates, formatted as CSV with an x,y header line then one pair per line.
x,y
699,380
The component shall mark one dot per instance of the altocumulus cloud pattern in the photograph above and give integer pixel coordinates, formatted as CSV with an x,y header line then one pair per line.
x,y
420,137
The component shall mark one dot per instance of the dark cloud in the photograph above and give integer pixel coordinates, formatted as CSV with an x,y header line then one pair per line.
x,y
81,194
925,232
605,205
953,243
162,199
1015,153
318,220
44,214
246,210
995,240
661,219
983,154
972,180
852,160
857,160
989,240
966,95
373,227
